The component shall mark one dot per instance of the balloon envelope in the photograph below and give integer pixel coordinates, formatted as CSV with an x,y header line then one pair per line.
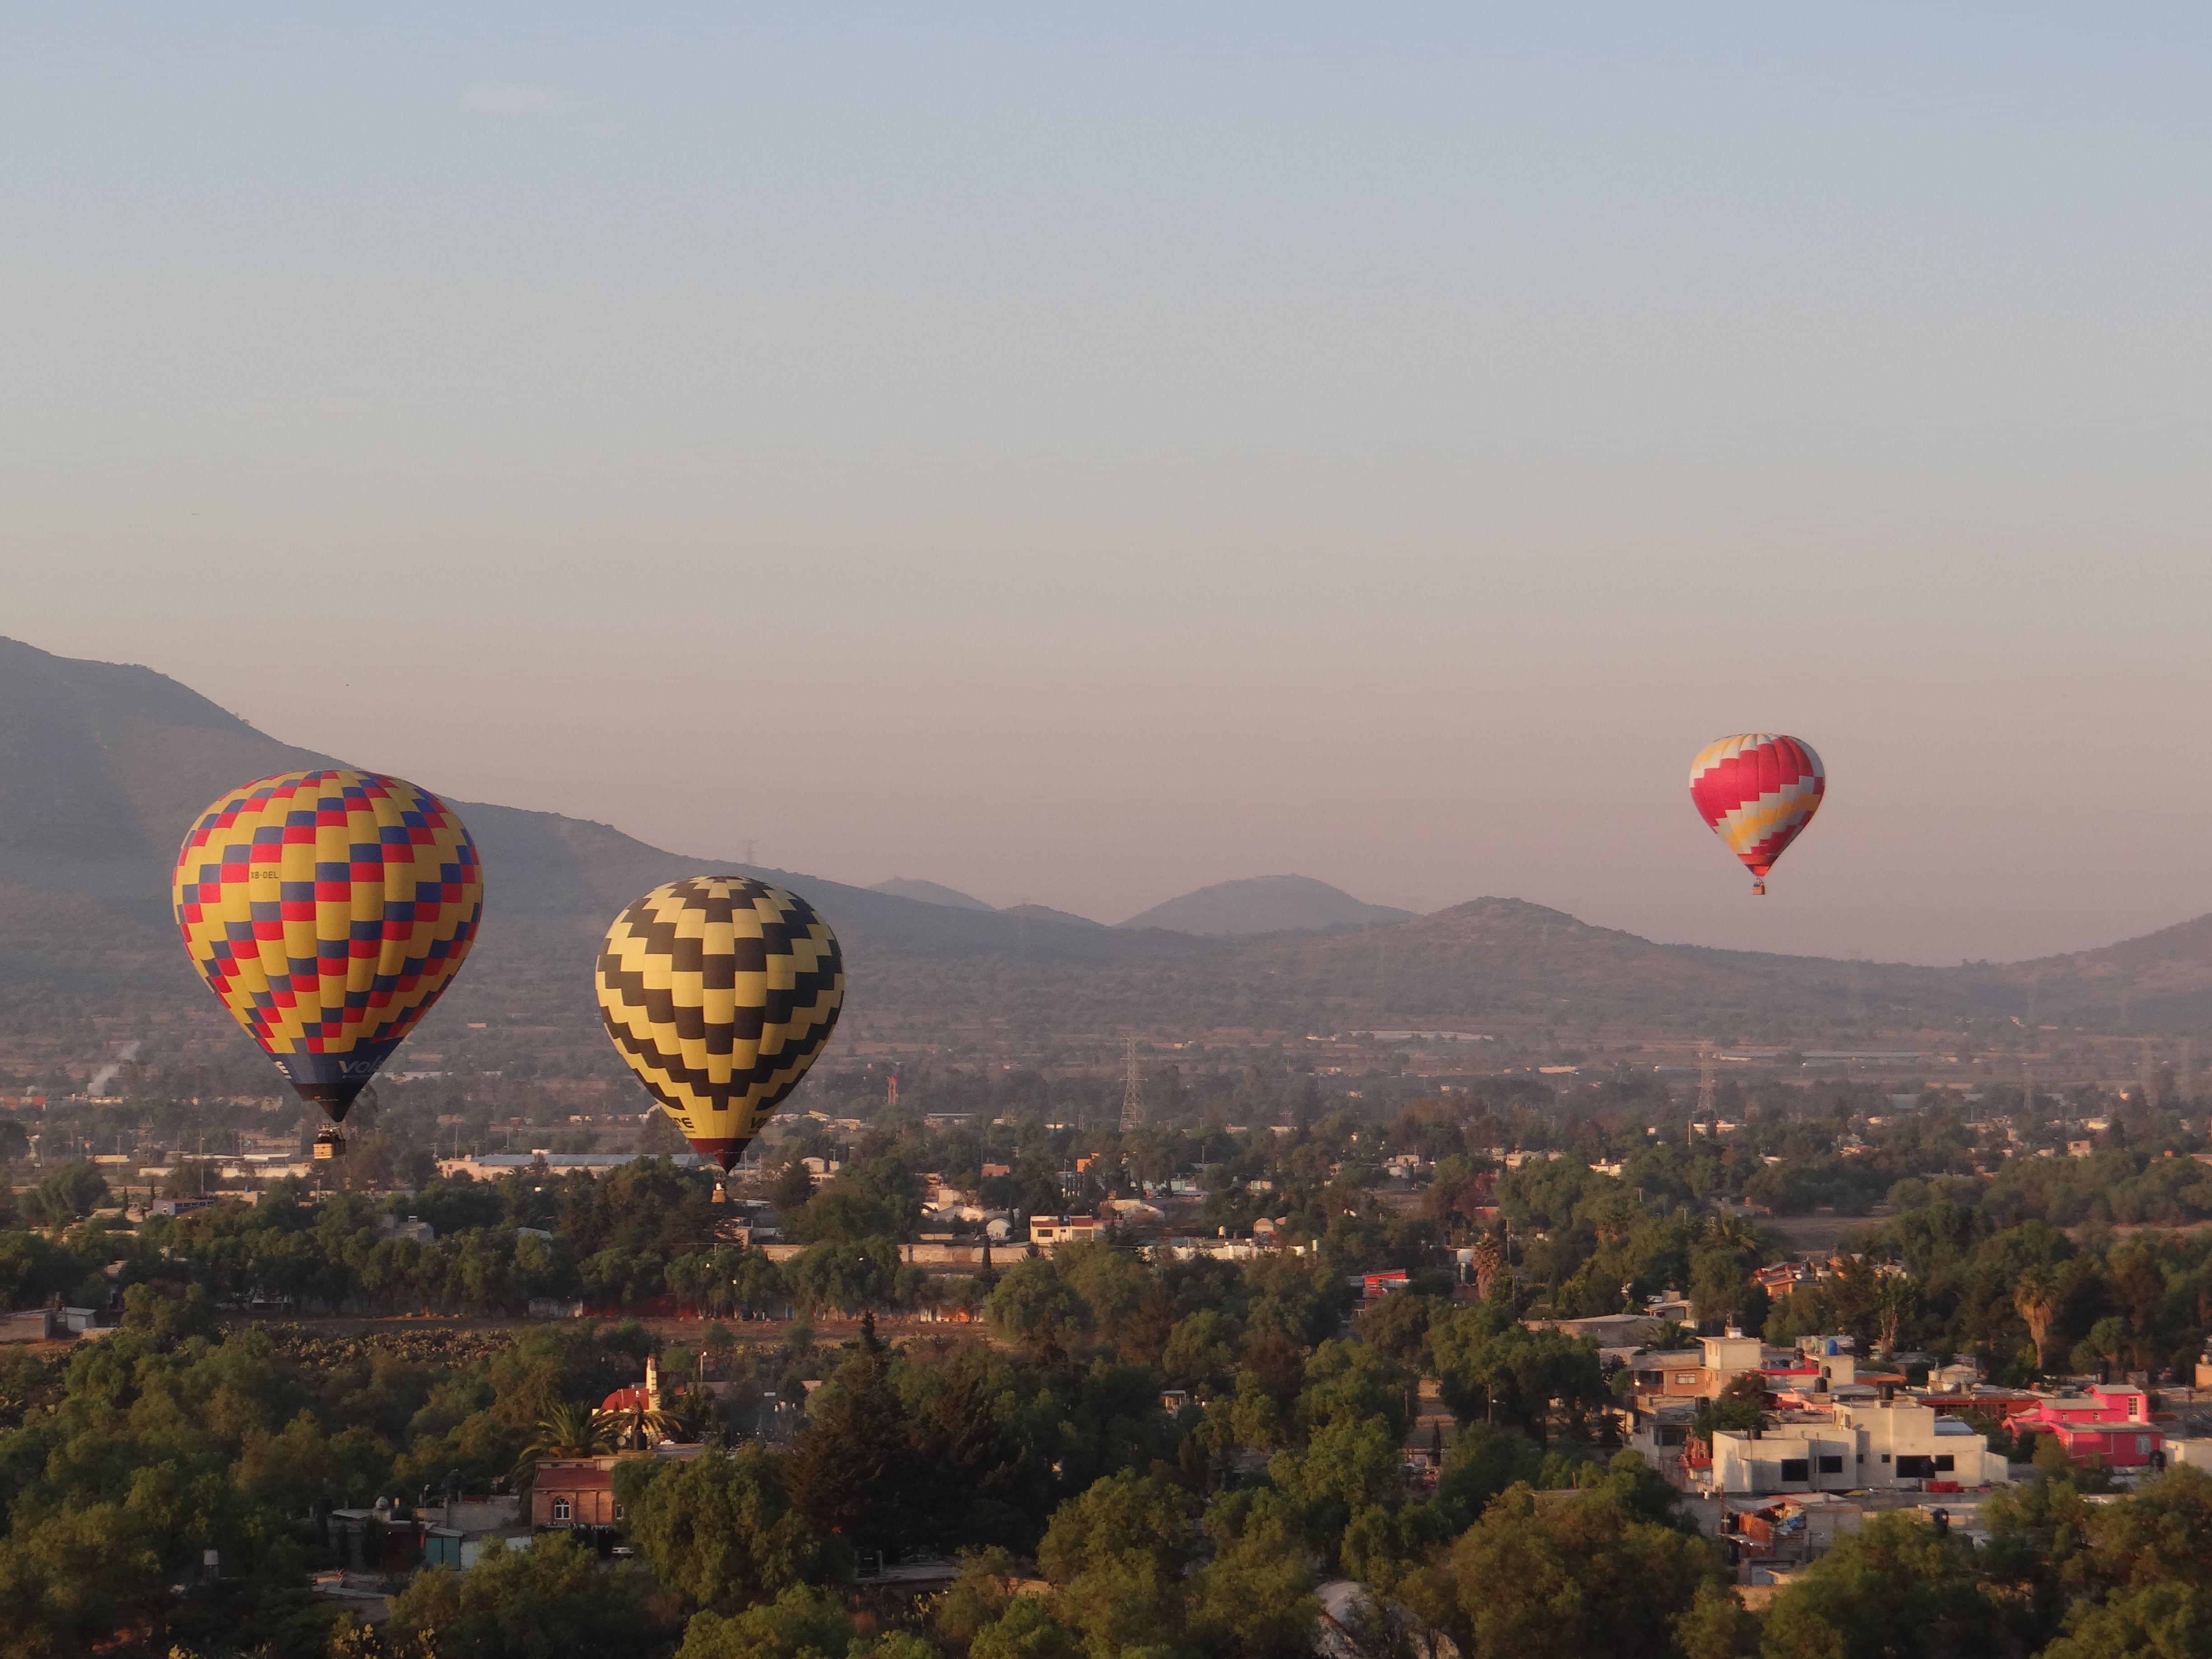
x,y
720,992
328,910
1757,791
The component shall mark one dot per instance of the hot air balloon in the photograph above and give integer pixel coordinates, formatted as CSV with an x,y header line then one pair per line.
x,y
1757,791
720,992
328,910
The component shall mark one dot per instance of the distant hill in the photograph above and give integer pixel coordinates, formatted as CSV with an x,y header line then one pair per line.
x,y
930,893
1046,912
103,766
1264,904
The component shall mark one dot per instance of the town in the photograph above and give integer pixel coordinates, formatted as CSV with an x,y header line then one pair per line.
x,y
1354,1335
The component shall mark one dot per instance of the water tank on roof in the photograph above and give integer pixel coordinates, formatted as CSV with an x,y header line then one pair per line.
x,y
1833,1348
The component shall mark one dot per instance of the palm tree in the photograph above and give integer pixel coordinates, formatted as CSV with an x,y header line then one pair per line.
x,y
1732,1233
568,1428
1489,1258
1895,1301
643,1425
2037,1298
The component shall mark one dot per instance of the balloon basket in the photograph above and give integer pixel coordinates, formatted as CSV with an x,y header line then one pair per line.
x,y
1759,889
720,1197
328,1147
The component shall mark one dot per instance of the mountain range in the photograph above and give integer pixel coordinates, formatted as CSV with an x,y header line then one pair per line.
x,y
102,766
1228,910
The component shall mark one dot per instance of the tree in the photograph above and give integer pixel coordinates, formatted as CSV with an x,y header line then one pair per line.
x,y
1123,1513
1116,1555
1112,1283
2035,1296
1487,1361
1202,1348
1570,1574
1489,1261
548,1601
1718,1285
851,1276
570,1429
1034,1307
1715,1626
800,1624
1348,1465
1254,1599
70,1193
1027,1629
722,1531
851,1470
1740,1405
1898,1586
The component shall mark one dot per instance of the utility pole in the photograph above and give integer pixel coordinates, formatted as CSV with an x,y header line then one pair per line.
x,y
2148,1076
1704,1079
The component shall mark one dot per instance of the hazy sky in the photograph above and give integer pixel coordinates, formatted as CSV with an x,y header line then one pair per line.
x,y
1081,456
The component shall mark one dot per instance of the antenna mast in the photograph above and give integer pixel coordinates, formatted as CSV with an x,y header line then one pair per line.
x,y
1133,1091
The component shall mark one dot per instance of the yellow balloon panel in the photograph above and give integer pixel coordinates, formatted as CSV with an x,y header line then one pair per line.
x,y
720,992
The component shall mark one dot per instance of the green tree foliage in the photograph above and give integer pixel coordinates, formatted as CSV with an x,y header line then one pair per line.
x,y
875,1199
722,1530
1570,1574
1491,1367
851,1472
1896,1586
548,1601
68,1194
1035,1308
801,1623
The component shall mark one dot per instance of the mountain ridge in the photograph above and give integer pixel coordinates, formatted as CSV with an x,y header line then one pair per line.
x,y
1263,904
930,893
103,765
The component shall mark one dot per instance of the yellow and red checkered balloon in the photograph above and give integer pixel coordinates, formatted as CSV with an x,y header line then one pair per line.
x,y
720,992
328,910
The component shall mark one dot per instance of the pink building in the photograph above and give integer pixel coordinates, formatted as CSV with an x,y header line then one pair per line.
x,y
2109,1425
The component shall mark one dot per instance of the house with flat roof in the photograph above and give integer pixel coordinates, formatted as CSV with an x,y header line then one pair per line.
x,y
1062,1229
1899,1444
574,1492
2109,1427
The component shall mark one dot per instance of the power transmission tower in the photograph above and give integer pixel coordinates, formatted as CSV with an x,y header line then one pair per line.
x,y
1133,1091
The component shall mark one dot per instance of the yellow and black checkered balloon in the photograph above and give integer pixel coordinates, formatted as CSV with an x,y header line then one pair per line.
x,y
720,992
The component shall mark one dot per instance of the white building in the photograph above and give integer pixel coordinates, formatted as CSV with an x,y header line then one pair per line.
x,y
1890,1443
